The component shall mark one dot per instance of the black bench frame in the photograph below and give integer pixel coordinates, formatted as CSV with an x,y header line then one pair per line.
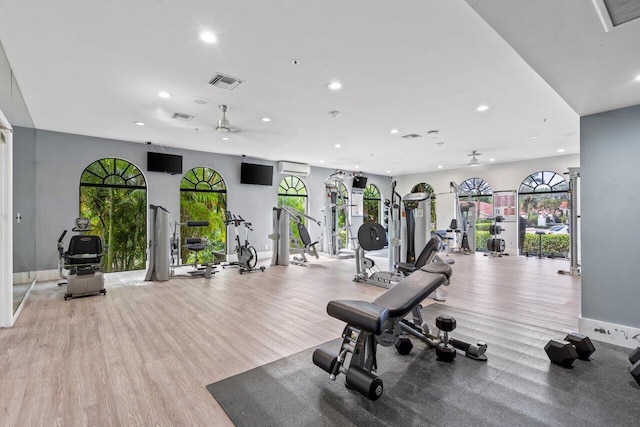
x,y
383,322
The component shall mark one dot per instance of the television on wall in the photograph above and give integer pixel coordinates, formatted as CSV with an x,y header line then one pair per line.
x,y
359,182
256,174
161,162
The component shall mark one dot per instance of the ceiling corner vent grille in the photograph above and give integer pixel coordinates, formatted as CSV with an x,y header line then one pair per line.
x,y
183,117
614,13
411,136
225,82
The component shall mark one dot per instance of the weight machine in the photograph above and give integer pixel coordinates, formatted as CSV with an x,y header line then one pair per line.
x,y
164,247
334,203
285,242
574,269
463,224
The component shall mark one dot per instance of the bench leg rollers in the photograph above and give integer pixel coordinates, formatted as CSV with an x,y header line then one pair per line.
x,y
364,382
325,360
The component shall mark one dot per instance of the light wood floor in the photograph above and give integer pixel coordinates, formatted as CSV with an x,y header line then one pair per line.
x,y
143,354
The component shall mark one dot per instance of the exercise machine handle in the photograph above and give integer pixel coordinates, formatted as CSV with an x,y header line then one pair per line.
x,y
197,223
64,233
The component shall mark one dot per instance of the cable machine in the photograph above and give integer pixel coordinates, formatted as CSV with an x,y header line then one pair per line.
x,y
574,270
464,222
334,203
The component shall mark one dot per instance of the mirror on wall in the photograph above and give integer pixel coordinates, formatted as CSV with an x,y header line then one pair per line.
x,y
24,212
13,106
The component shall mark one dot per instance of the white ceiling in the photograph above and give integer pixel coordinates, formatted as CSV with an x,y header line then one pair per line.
x,y
94,68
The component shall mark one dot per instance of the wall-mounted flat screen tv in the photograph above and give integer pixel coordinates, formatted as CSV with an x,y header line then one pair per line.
x,y
256,174
359,182
161,162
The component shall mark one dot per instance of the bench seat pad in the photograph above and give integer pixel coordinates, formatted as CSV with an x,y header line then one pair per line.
x,y
412,290
359,314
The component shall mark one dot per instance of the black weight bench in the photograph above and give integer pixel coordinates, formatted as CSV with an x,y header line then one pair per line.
x,y
383,322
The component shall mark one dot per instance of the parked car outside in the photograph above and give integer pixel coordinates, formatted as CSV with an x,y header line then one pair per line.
x,y
559,229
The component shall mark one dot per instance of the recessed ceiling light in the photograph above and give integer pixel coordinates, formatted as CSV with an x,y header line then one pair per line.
x,y
560,150
208,37
337,145
200,101
492,160
638,77
320,161
357,166
395,130
388,171
440,166
534,137
139,123
163,94
225,138
482,108
266,119
335,86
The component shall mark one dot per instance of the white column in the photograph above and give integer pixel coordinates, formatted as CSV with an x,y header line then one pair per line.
x,y
6,222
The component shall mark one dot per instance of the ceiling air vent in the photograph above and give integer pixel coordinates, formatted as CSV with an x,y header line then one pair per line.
x,y
183,117
224,82
614,13
411,136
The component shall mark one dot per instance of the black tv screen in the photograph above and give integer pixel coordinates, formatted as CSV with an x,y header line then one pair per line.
x,y
359,182
256,174
161,162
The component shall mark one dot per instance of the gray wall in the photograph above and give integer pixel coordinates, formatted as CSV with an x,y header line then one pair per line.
x,y
61,158
610,151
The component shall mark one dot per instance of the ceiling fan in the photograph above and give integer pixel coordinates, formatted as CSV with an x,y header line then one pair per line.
x,y
474,159
223,125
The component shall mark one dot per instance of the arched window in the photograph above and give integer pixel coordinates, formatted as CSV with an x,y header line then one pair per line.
x,y
293,193
476,187
479,192
203,197
113,196
423,187
543,202
371,204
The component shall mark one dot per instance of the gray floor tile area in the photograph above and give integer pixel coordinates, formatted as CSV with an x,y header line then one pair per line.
x,y
517,386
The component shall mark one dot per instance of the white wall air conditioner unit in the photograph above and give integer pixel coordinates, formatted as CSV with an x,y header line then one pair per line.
x,y
294,168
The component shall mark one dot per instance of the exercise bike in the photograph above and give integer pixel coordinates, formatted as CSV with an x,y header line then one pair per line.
x,y
247,254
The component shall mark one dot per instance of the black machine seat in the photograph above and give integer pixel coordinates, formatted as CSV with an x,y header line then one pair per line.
x,y
429,250
396,302
195,244
304,236
84,249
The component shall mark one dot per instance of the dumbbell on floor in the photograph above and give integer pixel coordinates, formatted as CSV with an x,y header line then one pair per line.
x,y
445,352
634,358
565,352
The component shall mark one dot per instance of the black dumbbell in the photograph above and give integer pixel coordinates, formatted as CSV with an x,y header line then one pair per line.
x,y
634,358
565,352
404,345
445,352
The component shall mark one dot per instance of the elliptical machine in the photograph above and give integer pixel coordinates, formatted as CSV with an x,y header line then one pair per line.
x,y
247,254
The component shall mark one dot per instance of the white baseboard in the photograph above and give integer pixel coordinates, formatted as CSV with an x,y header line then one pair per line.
x,y
624,336
47,275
